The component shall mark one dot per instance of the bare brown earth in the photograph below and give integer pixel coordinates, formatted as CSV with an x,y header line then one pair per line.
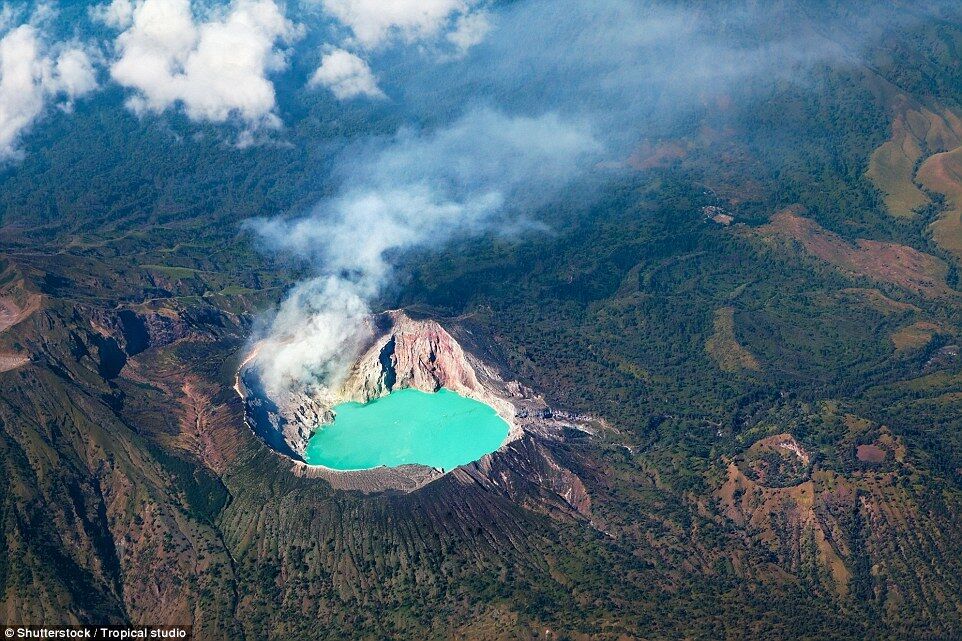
x,y
10,361
885,262
16,305
198,421
870,453
13,312
205,422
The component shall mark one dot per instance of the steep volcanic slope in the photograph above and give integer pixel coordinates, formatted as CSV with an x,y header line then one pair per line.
x,y
132,490
98,523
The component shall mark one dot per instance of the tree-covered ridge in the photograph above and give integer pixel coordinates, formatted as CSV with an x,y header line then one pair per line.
x,y
783,447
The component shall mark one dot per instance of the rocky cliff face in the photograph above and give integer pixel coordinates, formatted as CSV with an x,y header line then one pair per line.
x,y
420,354
411,354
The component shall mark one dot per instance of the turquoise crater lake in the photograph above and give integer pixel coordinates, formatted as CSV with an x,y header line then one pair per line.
x,y
443,429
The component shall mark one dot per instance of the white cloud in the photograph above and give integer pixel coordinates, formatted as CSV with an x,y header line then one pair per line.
x,y
215,69
346,75
469,30
31,74
73,73
374,22
119,14
377,23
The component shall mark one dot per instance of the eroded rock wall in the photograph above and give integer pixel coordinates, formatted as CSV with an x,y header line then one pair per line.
x,y
418,354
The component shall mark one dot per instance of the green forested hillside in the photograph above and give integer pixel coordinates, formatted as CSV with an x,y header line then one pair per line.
x,y
782,444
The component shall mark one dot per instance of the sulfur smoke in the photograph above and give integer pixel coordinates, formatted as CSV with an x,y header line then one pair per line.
x,y
419,189
571,81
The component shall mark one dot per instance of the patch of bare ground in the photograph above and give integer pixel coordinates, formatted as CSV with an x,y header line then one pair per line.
x,y
10,362
13,311
724,348
404,478
775,461
916,131
491,624
15,307
206,421
914,336
198,418
869,453
885,262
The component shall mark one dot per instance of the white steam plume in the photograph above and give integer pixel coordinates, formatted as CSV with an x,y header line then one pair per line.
x,y
418,190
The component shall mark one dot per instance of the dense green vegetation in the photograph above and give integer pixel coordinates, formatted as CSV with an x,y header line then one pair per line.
x,y
132,490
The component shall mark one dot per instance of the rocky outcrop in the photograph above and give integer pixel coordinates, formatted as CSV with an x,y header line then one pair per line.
x,y
298,414
420,354
411,354
13,311
138,330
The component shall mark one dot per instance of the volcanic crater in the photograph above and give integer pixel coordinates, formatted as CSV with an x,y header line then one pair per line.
x,y
404,352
